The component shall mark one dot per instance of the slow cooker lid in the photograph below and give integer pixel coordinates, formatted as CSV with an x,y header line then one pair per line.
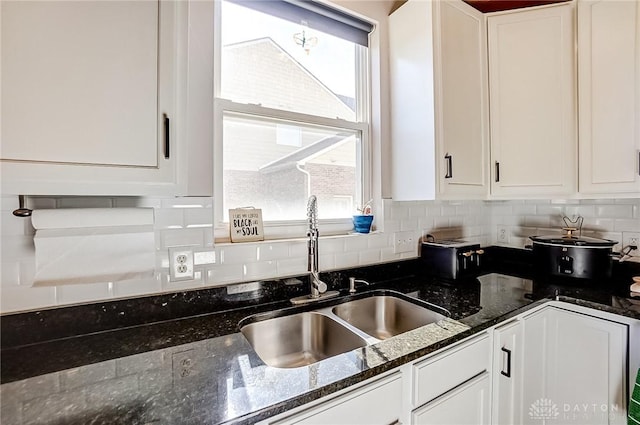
x,y
584,241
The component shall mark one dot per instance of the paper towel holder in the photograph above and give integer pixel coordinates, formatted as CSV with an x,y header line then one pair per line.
x,y
22,211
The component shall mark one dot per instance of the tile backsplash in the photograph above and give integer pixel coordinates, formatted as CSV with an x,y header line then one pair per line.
x,y
188,221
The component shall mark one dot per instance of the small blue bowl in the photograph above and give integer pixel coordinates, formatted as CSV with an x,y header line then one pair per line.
x,y
362,223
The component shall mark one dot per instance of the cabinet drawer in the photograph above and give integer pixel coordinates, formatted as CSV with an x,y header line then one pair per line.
x,y
377,403
435,376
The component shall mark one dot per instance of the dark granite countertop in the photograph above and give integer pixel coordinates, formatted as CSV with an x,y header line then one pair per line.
x,y
180,368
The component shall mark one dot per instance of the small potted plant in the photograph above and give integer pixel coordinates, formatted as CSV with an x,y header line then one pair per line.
x,y
362,222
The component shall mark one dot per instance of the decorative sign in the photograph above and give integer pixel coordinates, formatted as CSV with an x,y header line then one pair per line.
x,y
245,225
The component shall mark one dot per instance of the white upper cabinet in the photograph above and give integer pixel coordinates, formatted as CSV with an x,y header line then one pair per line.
x,y
461,94
609,96
93,98
412,103
532,102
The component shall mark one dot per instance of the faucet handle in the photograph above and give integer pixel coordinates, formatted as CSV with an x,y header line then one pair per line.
x,y
322,287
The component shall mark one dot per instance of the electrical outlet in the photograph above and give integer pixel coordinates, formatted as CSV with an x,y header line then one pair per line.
x,y
181,263
631,238
404,242
503,234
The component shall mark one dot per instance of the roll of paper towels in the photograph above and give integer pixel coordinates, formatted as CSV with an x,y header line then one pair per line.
x,y
88,245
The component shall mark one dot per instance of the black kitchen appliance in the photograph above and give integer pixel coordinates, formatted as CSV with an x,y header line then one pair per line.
x,y
451,259
573,256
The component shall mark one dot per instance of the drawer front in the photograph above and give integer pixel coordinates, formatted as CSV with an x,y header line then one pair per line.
x,y
435,376
377,403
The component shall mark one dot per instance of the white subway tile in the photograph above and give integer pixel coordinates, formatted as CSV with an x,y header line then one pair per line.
x,y
356,242
130,288
537,221
524,209
614,211
627,225
378,241
632,201
440,223
204,257
238,254
583,210
456,221
425,223
181,237
407,224
207,234
81,293
399,211
327,261
260,270
168,218
291,266
183,285
188,202
391,226
417,210
225,273
388,254
349,259
20,298
198,217
447,211
369,257
299,247
334,245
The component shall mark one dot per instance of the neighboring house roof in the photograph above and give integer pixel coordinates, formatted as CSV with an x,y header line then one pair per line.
x,y
252,52
307,153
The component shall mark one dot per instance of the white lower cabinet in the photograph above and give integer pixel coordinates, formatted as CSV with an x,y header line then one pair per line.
x,y
467,404
561,366
507,373
378,402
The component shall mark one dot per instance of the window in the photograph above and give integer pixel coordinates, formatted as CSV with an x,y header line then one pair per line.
x,y
292,109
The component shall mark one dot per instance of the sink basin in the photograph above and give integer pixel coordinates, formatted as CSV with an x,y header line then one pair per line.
x,y
384,316
300,339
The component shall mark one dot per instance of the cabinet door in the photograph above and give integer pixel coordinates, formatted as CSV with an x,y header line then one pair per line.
x,y
574,369
532,102
609,96
507,374
466,404
461,93
412,102
379,402
86,87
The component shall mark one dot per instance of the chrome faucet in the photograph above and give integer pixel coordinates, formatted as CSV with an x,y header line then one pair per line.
x,y
318,287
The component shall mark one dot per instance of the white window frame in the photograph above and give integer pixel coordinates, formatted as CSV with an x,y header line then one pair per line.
x,y
286,229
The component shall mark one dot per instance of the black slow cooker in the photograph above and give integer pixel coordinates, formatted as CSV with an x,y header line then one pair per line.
x,y
572,256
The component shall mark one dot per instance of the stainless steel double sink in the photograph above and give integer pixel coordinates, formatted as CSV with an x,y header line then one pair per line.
x,y
304,338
